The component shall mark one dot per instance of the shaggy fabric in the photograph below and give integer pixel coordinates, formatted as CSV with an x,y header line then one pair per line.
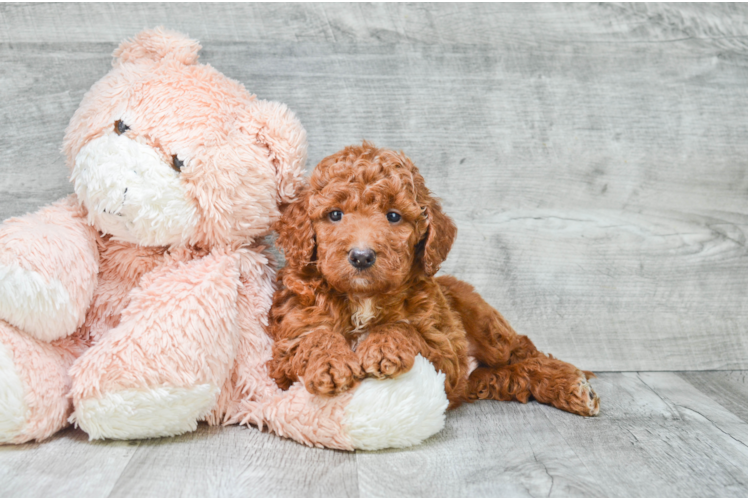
x,y
335,323
42,370
48,268
397,412
130,194
149,270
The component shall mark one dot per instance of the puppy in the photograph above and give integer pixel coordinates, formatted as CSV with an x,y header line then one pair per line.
x,y
358,296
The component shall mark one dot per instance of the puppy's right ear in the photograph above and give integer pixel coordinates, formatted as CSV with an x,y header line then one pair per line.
x,y
295,231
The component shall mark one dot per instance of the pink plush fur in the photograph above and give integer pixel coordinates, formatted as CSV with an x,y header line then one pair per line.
x,y
146,318
245,155
43,369
179,328
53,245
301,416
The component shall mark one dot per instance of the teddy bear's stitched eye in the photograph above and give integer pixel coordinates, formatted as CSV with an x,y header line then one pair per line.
x,y
120,127
335,215
176,163
394,217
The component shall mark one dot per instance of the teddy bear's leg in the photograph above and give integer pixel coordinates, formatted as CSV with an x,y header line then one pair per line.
x,y
161,369
249,379
34,385
48,269
388,413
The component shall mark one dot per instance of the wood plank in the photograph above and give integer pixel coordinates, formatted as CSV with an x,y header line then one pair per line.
x,y
594,157
614,290
692,403
41,89
235,462
643,443
646,442
379,23
493,449
728,388
66,465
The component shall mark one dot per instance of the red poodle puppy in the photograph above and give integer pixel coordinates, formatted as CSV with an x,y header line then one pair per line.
x,y
358,296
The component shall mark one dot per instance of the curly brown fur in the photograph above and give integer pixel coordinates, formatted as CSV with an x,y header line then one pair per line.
x,y
334,323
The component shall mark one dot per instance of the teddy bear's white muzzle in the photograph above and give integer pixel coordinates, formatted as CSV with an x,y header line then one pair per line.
x,y
132,193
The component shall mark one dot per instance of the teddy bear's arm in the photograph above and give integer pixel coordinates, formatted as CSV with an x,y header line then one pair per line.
x,y
48,269
161,369
249,378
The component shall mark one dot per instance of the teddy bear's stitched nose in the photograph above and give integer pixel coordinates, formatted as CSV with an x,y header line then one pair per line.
x,y
362,258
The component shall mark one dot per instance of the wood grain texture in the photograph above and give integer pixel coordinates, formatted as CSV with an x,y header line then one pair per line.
x,y
488,449
729,389
659,434
649,443
235,462
66,465
595,157
656,436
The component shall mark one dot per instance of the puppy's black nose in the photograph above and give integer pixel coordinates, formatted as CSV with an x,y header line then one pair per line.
x,y
361,259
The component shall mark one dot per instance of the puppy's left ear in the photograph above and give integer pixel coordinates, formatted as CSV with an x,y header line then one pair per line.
x,y
440,234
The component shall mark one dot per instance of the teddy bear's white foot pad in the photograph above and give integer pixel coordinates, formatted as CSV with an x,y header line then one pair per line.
x,y
12,405
398,412
38,306
145,413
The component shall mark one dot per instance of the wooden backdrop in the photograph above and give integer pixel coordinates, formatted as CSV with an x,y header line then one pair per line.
x,y
594,157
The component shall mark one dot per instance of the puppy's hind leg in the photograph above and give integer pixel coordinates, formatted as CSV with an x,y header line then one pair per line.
x,y
550,381
492,341
510,367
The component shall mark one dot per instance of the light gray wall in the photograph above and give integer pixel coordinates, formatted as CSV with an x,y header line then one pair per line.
x,y
594,157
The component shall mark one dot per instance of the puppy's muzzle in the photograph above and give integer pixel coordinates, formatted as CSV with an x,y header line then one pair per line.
x,y
362,258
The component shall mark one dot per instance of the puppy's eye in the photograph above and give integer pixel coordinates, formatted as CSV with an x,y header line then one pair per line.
x,y
176,163
120,127
394,217
335,215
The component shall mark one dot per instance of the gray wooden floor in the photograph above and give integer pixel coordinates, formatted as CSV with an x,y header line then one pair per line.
x,y
658,434
595,159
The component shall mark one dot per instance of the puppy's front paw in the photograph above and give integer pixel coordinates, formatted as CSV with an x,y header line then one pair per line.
x,y
382,358
330,376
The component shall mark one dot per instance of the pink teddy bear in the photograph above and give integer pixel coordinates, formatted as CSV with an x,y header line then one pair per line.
x,y
136,307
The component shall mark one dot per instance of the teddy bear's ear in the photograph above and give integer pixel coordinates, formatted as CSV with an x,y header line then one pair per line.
x,y
285,138
157,44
